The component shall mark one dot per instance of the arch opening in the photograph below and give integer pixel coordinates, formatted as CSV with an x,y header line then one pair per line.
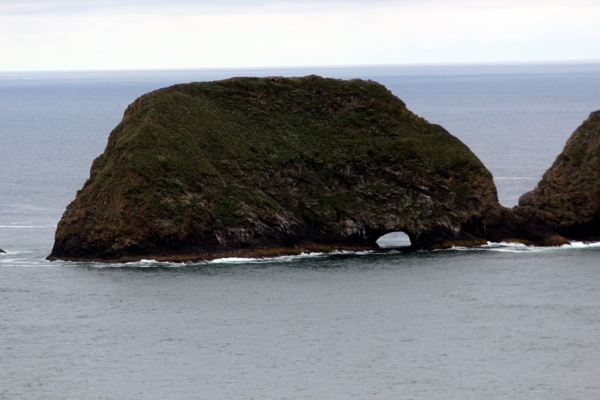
x,y
394,239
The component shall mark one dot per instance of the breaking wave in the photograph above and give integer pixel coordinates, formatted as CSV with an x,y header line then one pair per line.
x,y
521,248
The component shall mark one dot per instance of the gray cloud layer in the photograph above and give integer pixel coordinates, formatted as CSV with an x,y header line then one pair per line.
x,y
109,34
82,6
15,7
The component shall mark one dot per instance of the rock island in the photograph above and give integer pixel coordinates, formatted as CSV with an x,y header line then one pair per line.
x,y
271,166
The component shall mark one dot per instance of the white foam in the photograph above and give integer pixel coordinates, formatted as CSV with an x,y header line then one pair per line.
x,y
150,263
22,259
522,248
290,258
134,264
581,245
12,253
232,260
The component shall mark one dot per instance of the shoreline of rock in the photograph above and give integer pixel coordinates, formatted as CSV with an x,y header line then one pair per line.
x,y
250,254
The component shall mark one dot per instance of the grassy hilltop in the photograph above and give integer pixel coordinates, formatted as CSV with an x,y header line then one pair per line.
x,y
264,166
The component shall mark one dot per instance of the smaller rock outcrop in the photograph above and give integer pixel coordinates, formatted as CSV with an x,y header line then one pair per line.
x,y
526,199
568,196
521,225
2,251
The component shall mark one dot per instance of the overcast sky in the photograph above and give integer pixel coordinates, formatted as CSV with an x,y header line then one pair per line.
x,y
136,34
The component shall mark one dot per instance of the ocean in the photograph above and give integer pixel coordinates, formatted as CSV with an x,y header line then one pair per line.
x,y
500,321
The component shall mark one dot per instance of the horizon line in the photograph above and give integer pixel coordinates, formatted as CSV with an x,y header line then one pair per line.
x,y
433,64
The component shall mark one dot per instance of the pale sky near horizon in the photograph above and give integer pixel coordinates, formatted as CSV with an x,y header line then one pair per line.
x,y
135,34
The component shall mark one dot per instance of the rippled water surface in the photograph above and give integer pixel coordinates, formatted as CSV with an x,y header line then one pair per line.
x,y
500,321
496,323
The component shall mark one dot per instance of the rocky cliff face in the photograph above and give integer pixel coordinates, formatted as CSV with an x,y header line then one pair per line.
x,y
257,167
568,196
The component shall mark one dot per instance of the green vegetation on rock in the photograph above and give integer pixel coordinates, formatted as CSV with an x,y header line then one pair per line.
x,y
568,196
269,166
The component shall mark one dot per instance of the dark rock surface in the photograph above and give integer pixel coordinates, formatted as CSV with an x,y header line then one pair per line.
x,y
526,199
270,166
568,196
2,251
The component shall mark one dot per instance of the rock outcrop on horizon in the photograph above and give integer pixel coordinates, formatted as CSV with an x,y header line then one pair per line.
x,y
568,196
270,166
2,251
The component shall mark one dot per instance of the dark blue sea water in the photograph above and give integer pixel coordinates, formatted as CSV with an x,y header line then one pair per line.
x,y
501,321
